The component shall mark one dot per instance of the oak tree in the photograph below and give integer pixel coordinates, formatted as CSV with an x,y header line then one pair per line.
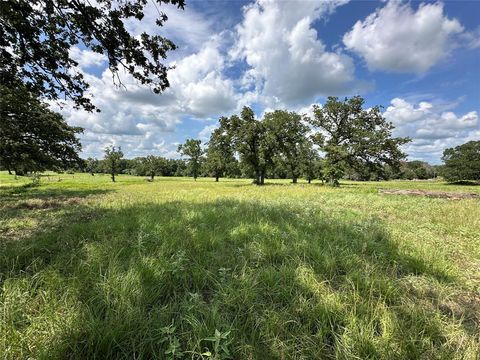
x,y
153,165
354,137
113,156
193,150
249,139
33,137
219,153
462,162
91,165
37,38
288,133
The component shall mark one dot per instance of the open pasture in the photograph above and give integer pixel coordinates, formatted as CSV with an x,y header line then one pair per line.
x,y
182,269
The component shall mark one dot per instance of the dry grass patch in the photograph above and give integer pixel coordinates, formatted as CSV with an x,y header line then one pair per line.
x,y
431,194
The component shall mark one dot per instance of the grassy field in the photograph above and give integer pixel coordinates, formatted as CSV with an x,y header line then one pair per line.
x,y
184,269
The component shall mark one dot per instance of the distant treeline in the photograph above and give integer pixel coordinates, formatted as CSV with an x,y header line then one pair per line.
x,y
137,166
408,170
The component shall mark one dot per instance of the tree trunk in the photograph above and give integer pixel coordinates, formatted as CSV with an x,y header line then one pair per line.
x,y
216,178
295,174
309,180
9,171
262,179
257,177
152,176
113,177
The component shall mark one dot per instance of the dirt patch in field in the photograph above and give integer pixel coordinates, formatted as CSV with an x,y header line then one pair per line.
x,y
472,304
38,204
465,307
431,194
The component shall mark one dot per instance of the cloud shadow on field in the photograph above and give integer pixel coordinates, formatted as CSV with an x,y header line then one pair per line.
x,y
288,284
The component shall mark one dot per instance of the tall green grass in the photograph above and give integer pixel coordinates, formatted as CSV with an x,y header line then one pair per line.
x,y
183,269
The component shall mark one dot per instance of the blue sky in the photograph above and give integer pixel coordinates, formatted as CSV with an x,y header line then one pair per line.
x,y
419,60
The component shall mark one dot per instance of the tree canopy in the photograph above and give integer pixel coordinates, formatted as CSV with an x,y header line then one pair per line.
x,y
285,143
91,165
248,136
462,162
152,165
193,150
37,37
353,137
220,152
113,156
287,132
32,137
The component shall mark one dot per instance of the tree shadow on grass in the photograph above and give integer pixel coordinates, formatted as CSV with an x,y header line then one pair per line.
x,y
29,191
26,210
286,281
252,184
465,183
272,183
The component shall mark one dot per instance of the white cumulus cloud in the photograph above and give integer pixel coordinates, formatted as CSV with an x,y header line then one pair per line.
x,y
87,58
142,122
398,38
431,129
287,61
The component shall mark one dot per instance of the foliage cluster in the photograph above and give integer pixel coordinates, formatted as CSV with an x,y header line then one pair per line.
x,y
462,162
33,137
349,137
38,37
